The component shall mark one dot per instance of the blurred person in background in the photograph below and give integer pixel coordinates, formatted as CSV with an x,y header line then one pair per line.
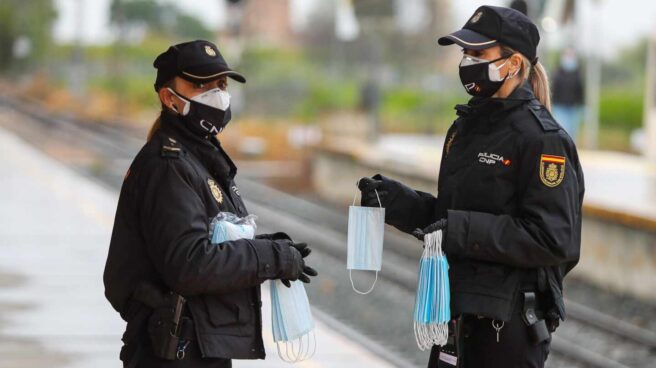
x,y
510,193
188,302
568,92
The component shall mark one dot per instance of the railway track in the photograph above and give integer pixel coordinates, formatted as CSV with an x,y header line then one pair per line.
x,y
587,339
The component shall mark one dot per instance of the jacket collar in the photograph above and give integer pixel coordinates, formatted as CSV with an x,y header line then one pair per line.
x,y
492,109
208,149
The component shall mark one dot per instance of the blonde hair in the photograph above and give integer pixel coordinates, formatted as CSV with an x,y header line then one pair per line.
x,y
154,128
537,77
158,122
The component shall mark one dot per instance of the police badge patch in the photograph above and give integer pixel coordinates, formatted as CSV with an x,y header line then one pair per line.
x,y
216,192
476,17
209,50
552,170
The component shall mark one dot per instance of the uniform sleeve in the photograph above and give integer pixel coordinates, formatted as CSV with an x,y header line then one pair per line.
x,y
546,231
175,229
411,209
408,209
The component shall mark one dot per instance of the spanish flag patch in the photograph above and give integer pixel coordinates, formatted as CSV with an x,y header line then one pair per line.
x,y
552,170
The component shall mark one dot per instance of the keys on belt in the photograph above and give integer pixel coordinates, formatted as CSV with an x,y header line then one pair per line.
x,y
187,335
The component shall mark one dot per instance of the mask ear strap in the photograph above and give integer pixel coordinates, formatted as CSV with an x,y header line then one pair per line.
x,y
502,64
362,292
508,76
514,75
357,185
185,109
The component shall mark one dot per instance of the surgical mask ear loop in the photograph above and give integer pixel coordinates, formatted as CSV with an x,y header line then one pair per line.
x,y
185,109
357,184
350,271
496,69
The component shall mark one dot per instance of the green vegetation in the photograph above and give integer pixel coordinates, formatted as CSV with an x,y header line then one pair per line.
x,y
159,18
326,95
622,97
621,108
410,110
316,77
287,83
30,21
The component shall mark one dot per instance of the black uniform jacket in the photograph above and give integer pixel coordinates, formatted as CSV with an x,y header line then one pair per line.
x,y
175,185
511,188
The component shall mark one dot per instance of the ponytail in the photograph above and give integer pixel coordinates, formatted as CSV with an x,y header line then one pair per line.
x,y
158,122
537,77
540,83
154,128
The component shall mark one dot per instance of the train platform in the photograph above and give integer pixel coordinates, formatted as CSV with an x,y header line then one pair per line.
x,y
55,226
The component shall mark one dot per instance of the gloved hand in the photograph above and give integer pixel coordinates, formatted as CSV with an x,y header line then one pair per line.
x,y
274,236
302,248
369,187
439,225
298,269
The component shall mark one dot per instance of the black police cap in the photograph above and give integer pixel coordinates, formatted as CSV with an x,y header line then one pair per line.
x,y
493,25
196,61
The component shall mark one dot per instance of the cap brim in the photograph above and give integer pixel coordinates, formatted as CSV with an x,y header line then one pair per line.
x,y
209,73
468,39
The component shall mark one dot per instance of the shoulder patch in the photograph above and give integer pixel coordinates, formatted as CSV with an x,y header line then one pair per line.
x,y
171,148
544,117
552,170
215,190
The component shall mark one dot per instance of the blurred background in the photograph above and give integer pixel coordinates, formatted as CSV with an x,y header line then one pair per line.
x,y
310,60
337,89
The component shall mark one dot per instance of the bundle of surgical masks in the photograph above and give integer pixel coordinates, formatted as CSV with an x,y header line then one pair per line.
x,y
432,302
228,226
291,317
366,227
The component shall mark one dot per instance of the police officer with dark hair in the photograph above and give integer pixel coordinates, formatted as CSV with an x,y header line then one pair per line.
x,y
510,192
187,302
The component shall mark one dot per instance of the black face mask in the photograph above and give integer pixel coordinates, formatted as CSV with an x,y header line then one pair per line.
x,y
476,78
203,119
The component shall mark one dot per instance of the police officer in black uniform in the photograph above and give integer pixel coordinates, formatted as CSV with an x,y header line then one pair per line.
x,y
187,302
509,200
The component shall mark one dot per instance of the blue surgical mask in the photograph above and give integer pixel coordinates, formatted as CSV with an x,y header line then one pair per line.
x,y
228,226
291,317
291,321
366,228
432,301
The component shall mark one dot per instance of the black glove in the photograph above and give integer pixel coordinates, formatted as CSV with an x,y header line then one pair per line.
x,y
298,270
439,225
274,236
369,187
302,248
